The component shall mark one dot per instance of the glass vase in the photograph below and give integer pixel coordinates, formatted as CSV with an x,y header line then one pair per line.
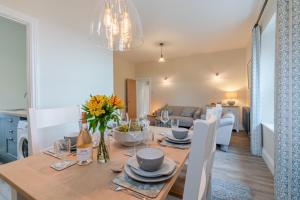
x,y
102,153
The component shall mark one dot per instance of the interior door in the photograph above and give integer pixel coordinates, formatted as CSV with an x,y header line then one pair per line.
x,y
131,98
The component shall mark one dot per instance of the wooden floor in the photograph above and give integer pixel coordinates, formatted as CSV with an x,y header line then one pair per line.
x,y
239,165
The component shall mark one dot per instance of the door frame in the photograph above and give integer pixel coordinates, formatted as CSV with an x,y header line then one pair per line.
x,y
31,51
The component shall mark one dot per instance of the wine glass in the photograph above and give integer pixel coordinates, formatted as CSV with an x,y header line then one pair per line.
x,y
164,117
124,118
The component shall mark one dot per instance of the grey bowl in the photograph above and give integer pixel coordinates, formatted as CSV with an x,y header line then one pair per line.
x,y
150,159
180,133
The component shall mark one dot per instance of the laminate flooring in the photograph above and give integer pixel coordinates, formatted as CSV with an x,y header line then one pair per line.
x,y
238,165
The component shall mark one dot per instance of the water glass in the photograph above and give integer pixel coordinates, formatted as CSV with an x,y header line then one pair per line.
x,y
135,124
174,123
62,148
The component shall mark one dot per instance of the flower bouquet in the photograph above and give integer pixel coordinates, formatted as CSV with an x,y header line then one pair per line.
x,y
100,110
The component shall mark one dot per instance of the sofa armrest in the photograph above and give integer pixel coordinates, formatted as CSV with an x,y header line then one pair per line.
x,y
197,114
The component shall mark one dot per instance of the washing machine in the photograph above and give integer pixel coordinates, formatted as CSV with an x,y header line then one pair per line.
x,y
22,139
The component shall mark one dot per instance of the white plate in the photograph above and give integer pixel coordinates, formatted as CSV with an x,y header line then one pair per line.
x,y
167,168
136,177
178,142
171,137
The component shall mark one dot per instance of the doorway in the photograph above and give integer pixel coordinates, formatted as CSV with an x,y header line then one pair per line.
x,y
143,88
30,25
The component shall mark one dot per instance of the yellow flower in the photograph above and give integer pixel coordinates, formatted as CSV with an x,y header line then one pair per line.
x,y
95,105
116,101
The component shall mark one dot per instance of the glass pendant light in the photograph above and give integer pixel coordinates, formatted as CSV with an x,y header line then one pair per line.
x,y
162,58
117,25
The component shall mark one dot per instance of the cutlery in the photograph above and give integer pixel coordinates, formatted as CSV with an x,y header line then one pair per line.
x,y
50,153
118,188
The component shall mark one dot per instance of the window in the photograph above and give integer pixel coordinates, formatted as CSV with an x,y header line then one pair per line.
x,y
267,74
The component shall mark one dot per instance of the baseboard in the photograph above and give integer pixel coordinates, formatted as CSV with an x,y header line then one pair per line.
x,y
268,160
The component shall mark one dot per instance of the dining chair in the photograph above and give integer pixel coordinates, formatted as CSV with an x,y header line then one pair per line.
x,y
199,169
215,112
41,120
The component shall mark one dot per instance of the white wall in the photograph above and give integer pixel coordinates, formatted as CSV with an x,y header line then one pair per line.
x,y
123,69
70,65
192,81
12,64
268,145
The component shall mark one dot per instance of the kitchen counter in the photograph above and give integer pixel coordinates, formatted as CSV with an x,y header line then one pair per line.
x,y
17,112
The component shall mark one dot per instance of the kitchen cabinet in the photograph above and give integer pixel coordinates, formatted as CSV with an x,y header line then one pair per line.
x,y
8,137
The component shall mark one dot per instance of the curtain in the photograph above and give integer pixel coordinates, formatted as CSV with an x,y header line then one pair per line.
x,y
287,101
255,114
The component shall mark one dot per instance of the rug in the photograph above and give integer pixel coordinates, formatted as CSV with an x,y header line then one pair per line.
x,y
230,190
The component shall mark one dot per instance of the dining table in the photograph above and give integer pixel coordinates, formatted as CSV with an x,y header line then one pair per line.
x,y
34,179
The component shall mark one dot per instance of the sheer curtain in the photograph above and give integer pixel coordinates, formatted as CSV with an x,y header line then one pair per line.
x,y
255,121
287,101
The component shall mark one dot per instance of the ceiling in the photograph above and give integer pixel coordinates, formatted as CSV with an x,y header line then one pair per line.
x,y
189,27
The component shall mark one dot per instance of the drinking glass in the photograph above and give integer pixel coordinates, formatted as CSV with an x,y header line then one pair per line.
x,y
174,123
62,148
164,117
135,125
124,118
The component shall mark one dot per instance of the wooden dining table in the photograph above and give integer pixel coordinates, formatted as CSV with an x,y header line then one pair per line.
x,y
33,178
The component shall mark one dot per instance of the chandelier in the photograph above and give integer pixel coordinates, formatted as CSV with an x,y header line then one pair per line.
x,y
117,25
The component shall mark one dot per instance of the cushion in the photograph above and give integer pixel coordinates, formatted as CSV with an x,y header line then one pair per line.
x,y
185,121
197,114
176,110
188,112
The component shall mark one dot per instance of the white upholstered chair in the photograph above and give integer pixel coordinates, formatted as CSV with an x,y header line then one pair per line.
x,y
41,119
199,168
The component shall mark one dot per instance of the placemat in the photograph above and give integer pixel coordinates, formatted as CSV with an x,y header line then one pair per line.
x,y
178,146
147,189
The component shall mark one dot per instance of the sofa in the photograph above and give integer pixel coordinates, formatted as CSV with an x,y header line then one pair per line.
x,y
224,130
185,114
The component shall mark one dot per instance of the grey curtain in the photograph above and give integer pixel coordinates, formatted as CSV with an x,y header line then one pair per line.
x,y
255,114
287,101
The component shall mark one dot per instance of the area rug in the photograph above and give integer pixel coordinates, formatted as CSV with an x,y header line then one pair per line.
x,y
230,190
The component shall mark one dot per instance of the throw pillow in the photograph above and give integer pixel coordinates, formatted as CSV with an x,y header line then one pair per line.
x,y
188,112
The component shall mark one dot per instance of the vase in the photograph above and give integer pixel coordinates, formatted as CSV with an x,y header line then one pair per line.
x,y
102,153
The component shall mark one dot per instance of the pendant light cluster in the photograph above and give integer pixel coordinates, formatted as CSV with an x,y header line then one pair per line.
x,y
161,58
117,25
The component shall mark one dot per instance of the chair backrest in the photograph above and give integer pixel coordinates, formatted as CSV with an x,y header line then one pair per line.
x,y
198,171
44,118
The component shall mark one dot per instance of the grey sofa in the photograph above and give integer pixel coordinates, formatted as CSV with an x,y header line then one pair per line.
x,y
185,114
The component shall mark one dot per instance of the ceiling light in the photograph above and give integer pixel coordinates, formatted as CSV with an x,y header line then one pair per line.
x,y
117,25
162,58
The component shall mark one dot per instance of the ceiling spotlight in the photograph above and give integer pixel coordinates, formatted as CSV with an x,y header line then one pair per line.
x,y
162,58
